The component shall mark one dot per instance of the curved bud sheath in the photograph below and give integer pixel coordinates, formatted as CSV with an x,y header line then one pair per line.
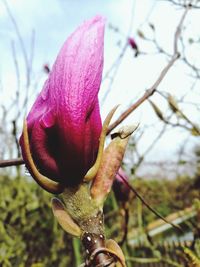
x,y
110,163
43,181
115,259
113,246
157,110
173,104
64,219
125,131
94,169
93,242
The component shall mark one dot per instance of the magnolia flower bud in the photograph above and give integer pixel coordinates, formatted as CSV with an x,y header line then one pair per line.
x,y
64,124
173,104
157,110
132,43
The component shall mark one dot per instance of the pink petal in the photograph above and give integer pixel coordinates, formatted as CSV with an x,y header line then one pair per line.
x,y
64,123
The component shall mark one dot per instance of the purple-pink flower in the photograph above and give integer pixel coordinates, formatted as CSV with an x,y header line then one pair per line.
x,y
132,43
64,124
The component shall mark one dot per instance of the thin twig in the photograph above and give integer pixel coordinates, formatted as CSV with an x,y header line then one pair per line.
x,y
162,75
194,126
114,68
11,162
183,5
146,95
23,49
149,148
125,227
146,204
17,72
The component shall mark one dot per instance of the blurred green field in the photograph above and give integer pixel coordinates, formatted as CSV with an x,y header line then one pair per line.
x,y
29,235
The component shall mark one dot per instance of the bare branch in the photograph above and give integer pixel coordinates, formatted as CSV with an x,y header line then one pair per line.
x,y
162,75
23,49
11,162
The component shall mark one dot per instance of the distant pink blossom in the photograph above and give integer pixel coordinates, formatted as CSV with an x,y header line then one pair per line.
x,y
64,123
132,43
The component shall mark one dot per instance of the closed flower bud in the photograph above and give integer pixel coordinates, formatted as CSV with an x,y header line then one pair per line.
x,y
64,124
132,43
121,190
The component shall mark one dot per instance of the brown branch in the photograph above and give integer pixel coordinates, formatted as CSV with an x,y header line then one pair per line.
x,y
149,148
11,162
162,75
184,5
180,112
146,95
